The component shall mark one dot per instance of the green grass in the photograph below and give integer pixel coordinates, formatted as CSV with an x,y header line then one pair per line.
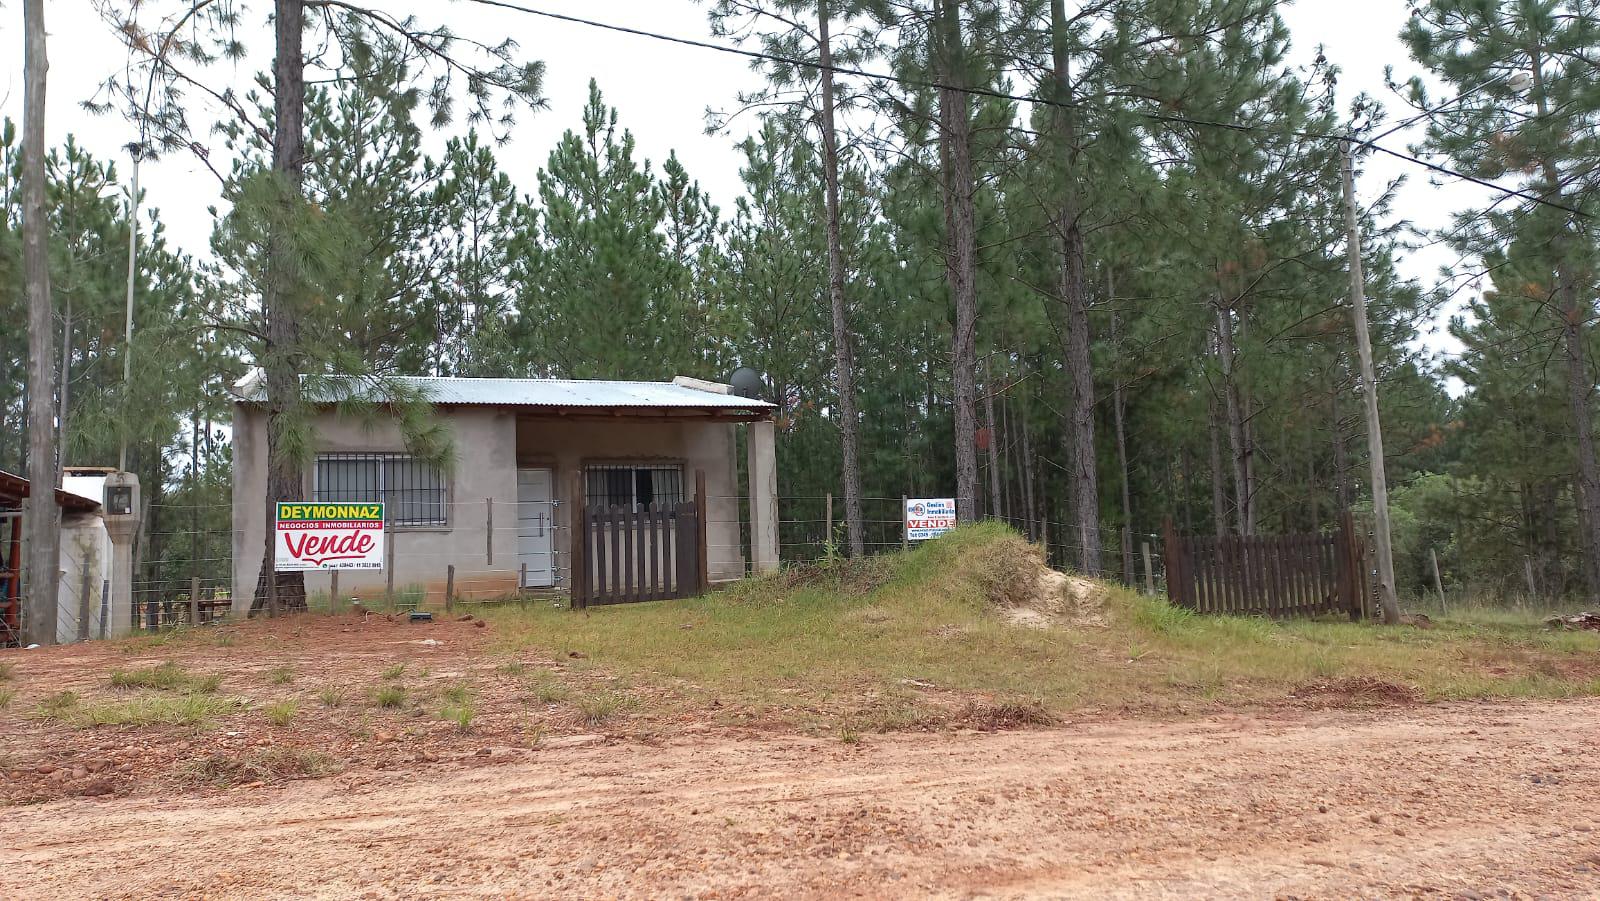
x,y
7,695
166,677
394,672
149,710
599,708
824,644
390,696
461,713
280,675
281,713
331,696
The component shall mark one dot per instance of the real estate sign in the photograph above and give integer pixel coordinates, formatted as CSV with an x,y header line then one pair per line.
x,y
313,536
929,517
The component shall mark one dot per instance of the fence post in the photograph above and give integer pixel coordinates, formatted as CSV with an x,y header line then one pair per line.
x,y
450,588
827,534
333,591
83,599
1171,554
488,530
1437,582
1352,558
578,541
1149,569
194,599
703,513
905,534
388,563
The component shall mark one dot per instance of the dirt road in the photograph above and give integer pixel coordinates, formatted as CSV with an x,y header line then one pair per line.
x,y
1457,801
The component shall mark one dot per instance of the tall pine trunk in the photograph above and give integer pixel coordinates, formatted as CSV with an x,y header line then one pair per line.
x,y
1073,290
957,185
1579,385
280,360
44,516
1238,437
843,358
995,508
1574,312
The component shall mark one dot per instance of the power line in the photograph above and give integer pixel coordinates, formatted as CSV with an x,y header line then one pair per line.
x,y
1002,95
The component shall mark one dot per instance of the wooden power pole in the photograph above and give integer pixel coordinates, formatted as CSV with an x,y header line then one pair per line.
x,y
1369,389
44,517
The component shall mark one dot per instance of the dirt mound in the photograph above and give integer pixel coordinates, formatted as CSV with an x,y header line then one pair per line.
x,y
847,575
1357,691
1016,579
1584,620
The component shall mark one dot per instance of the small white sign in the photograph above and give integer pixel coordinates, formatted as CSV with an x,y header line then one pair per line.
x,y
929,517
313,536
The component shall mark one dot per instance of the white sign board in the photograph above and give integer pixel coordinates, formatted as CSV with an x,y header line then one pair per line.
x,y
929,517
313,536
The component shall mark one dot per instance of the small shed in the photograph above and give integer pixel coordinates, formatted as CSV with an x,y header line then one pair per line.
x,y
88,571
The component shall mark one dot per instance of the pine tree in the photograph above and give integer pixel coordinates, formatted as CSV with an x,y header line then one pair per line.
x,y
1549,140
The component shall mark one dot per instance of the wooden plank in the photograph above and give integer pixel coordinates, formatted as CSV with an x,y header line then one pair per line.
x,y
618,570
653,536
577,546
597,519
702,547
627,525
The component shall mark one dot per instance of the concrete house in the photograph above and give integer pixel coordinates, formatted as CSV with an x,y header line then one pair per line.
x,y
501,514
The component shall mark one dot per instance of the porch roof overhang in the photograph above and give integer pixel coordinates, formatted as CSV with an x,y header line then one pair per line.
x,y
13,488
589,399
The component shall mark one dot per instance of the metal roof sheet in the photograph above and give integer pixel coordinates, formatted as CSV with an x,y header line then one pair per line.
x,y
593,393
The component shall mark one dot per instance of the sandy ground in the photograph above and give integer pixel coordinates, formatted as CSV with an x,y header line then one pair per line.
x,y
1456,801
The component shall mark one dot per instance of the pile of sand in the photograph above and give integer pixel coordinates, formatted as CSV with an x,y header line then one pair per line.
x,y
1018,581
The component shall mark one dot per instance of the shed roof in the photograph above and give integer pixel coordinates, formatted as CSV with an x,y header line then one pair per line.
x,y
13,488
683,394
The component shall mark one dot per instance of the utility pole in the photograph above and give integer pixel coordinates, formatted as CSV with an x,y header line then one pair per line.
x,y
137,151
44,472
1384,550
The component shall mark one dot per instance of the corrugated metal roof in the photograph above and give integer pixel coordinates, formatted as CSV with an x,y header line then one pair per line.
x,y
572,393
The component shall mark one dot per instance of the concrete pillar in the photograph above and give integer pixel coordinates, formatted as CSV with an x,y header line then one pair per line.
x,y
761,463
122,527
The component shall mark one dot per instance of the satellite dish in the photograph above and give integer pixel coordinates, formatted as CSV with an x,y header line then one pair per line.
x,y
748,383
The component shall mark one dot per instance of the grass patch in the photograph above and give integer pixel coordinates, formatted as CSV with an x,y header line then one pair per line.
x,y
280,675
461,713
458,693
265,765
7,695
331,696
150,710
281,713
390,696
818,647
394,672
167,676
5,672
601,707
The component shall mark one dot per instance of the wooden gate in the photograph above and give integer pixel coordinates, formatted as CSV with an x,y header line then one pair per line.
x,y
1279,575
621,555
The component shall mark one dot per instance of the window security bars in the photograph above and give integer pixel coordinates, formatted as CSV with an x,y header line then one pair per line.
x,y
412,491
633,486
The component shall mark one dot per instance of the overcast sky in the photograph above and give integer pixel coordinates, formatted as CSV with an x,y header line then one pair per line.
x,y
661,91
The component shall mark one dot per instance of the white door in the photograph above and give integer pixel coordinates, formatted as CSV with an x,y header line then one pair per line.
x,y
535,518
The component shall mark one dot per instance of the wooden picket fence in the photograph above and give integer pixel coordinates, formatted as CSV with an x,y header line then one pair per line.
x,y
623,555
1279,575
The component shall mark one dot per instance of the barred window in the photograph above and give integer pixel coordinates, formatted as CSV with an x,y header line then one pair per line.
x,y
634,486
412,491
